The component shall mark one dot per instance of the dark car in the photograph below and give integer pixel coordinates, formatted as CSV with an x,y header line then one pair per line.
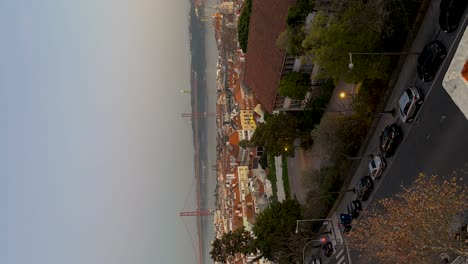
x,y
389,139
364,188
354,208
409,103
345,223
450,13
430,59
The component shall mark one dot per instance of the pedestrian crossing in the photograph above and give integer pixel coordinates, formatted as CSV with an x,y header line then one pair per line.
x,y
340,257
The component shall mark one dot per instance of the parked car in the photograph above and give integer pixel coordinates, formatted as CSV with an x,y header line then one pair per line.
x,y
429,60
354,208
409,103
389,139
450,14
364,188
377,166
345,223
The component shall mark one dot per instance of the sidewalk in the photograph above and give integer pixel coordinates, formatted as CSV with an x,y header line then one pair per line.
x,y
279,179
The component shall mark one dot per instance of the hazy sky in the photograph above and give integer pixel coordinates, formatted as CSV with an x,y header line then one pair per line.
x,y
95,160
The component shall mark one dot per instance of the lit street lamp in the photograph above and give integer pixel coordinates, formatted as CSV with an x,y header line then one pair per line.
x,y
351,65
343,94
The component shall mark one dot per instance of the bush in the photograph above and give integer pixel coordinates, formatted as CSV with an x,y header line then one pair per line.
x,y
295,85
271,176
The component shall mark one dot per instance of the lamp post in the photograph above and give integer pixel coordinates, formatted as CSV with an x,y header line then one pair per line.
x,y
351,65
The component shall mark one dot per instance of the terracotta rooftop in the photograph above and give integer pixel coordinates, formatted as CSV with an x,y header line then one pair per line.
x,y
264,61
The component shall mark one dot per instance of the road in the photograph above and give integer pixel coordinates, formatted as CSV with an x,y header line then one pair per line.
x,y
436,142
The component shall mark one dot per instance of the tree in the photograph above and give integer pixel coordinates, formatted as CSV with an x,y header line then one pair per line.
x,y
243,27
358,29
291,40
416,225
275,231
279,131
295,85
239,241
298,13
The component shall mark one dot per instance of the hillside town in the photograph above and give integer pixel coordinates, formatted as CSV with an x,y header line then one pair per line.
x,y
248,86
247,89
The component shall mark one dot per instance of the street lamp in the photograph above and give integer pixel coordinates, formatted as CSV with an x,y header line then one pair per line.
x,y
343,95
351,65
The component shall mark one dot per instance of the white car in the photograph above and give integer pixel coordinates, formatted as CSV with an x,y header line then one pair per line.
x,y
376,167
409,103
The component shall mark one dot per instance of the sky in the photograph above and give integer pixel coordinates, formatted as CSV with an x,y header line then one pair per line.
x,y
95,160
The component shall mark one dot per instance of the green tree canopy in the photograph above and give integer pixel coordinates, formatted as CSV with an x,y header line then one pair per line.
x,y
279,131
275,228
239,241
298,13
295,85
243,27
358,29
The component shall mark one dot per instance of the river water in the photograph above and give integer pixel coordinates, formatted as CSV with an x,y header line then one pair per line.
x,y
204,61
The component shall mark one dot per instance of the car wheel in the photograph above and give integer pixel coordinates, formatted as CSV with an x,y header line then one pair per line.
x,y
420,102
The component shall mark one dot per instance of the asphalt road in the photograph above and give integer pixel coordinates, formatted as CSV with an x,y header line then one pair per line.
x,y
436,143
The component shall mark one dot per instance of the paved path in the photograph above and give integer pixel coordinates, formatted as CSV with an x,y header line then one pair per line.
x,y
279,179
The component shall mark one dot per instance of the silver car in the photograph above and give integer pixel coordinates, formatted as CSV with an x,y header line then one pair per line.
x,y
409,103
376,167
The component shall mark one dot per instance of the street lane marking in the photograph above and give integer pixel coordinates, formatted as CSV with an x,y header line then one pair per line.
x,y
339,253
341,260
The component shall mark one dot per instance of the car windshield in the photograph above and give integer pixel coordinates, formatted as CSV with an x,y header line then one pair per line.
x,y
405,102
409,94
373,164
387,131
427,54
